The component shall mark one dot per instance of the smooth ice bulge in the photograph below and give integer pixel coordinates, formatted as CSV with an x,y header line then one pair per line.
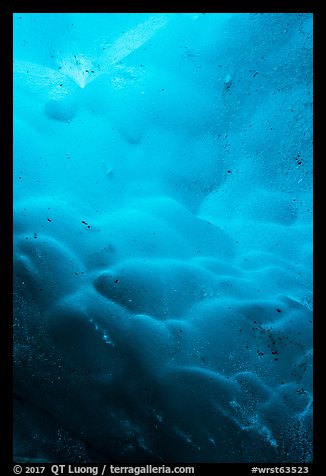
x,y
163,238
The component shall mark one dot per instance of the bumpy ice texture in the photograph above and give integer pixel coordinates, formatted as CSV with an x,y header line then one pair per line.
x,y
163,222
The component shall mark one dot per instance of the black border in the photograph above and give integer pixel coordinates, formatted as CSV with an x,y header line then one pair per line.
x,y
6,192
227,6
6,234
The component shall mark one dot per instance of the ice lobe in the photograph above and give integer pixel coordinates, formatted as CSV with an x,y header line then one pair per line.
x,y
156,288
60,110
